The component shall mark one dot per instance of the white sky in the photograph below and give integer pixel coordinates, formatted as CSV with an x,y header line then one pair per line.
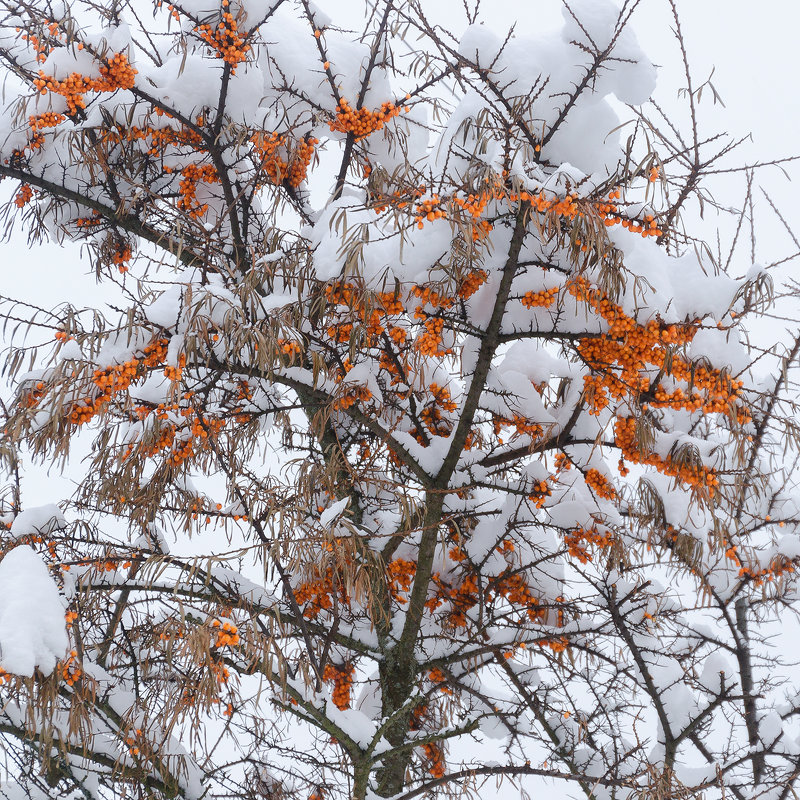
x,y
756,63
751,46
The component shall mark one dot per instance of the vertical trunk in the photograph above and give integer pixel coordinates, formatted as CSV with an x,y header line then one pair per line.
x,y
397,675
361,774
398,672
746,674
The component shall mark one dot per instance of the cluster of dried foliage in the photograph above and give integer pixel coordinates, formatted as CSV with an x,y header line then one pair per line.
x,y
431,525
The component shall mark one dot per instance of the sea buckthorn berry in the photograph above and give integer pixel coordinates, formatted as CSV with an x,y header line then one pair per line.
x,y
115,73
70,670
121,255
693,475
191,176
342,679
225,41
361,122
543,298
435,756
298,167
401,575
599,484
23,196
49,119
226,632
472,283
579,540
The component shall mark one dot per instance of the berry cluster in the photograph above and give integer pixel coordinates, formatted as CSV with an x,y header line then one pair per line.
x,y
70,670
620,360
758,576
472,283
352,394
435,755
227,634
115,73
225,40
191,175
539,494
276,164
183,432
49,119
429,342
578,540
400,574
23,196
342,679
220,672
599,484
112,380
694,475
461,597
431,414
121,255
175,373
317,595
298,168
439,679
521,425
132,741
87,223
429,210
361,122
512,586
475,204
558,645
542,299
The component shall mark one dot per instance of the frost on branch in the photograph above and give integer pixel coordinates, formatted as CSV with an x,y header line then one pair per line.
x,y
426,444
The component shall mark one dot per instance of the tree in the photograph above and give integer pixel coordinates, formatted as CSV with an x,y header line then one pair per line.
x,y
425,443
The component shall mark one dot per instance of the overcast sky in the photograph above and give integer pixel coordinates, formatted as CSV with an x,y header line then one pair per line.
x,y
751,47
755,59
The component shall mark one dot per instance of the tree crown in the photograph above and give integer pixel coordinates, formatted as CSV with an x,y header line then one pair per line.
x,y
420,420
